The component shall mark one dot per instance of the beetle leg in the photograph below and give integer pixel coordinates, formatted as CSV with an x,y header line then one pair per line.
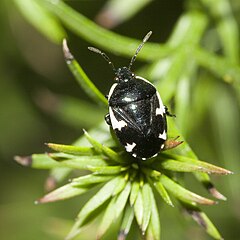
x,y
171,143
168,113
108,120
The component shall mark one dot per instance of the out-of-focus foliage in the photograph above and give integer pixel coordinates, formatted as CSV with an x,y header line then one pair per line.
x,y
203,77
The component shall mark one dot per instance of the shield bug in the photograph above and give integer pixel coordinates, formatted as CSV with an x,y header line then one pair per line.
x,y
136,111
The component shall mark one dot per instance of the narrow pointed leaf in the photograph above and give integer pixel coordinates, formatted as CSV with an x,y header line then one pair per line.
x,y
147,206
134,192
182,193
43,161
163,193
138,208
206,167
108,218
126,223
90,179
105,169
62,193
151,172
122,200
114,209
177,166
154,224
103,149
121,185
86,214
70,149
202,219
85,162
81,77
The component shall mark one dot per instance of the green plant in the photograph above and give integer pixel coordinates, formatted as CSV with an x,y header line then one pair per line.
x,y
128,188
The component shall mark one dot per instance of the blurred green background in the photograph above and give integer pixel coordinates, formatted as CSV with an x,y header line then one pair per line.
x,y
39,102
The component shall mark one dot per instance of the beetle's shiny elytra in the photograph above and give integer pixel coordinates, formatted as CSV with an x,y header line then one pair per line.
x,y
136,112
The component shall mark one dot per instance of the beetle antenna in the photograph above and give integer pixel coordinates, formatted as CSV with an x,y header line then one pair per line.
x,y
104,55
139,48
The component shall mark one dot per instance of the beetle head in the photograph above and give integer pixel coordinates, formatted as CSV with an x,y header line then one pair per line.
x,y
123,74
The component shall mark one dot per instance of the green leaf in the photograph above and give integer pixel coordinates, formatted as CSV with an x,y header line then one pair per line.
x,y
122,200
138,208
163,193
126,222
43,161
177,166
121,185
50,161
87,212
106,170
191,163
147,206
40,18
103,149
82,162
108,218
82,78
154,228
70,149
62,193
90,179
114,209
151,172
101,37
202,219
134,192
182,193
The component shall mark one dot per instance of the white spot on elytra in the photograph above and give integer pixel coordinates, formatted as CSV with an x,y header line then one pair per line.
x,y
144,159
134,155
130,147
162,146
158,111
115,123
163,135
